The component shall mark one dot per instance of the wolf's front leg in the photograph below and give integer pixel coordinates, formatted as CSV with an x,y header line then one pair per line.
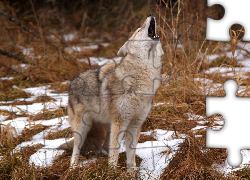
x,y
132,137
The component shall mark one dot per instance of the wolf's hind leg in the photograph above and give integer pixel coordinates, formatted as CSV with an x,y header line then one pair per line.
x,y
107,141
81,127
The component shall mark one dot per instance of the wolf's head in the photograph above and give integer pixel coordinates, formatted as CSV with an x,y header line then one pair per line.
x,y
143,41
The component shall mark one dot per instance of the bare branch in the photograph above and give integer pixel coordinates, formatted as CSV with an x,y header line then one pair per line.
x,y
28,30
18,23
13,56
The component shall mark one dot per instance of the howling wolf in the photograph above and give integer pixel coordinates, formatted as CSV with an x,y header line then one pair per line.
x,y
117,97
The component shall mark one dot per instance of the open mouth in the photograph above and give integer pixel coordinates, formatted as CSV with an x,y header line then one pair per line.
x,y
152,30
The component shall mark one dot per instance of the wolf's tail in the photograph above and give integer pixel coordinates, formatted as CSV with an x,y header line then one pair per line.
x,y
68,146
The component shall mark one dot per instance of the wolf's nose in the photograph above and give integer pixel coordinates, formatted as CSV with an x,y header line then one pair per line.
x,y
150,15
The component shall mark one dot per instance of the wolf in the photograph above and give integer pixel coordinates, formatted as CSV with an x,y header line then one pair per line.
x,y
117,97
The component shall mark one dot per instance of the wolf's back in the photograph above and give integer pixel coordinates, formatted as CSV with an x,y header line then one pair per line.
x,y
86,83
85,88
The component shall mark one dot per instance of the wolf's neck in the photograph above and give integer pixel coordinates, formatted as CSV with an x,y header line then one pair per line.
x,y
150,60
138,66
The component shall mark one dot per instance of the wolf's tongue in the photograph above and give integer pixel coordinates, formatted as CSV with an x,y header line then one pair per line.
x,y
151,29
151,32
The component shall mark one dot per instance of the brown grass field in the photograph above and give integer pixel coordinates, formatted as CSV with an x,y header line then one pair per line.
x,y
182,29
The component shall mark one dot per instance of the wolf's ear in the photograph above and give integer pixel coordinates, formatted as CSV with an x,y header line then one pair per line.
x,y
123,50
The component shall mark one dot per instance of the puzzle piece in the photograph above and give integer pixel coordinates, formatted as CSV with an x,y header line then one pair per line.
x,y
218,30
235,111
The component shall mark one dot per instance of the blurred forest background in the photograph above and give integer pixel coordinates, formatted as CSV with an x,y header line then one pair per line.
x,y
25,22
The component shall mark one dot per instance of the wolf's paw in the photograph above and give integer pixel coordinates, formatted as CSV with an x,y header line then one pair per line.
x,y
74,163
132,169
73,166
134,172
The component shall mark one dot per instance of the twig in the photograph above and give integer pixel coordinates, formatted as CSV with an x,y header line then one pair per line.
x,y
25,28
39,27
90,67
18,23
13,56
61,41
32,32
243,49
2,65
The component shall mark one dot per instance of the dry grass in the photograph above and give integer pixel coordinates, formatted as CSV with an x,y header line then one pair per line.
x,y
39,99
28,133
224,61
65,133
10,94
191,161
46,115
143,138
60,170
59,87
182,28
